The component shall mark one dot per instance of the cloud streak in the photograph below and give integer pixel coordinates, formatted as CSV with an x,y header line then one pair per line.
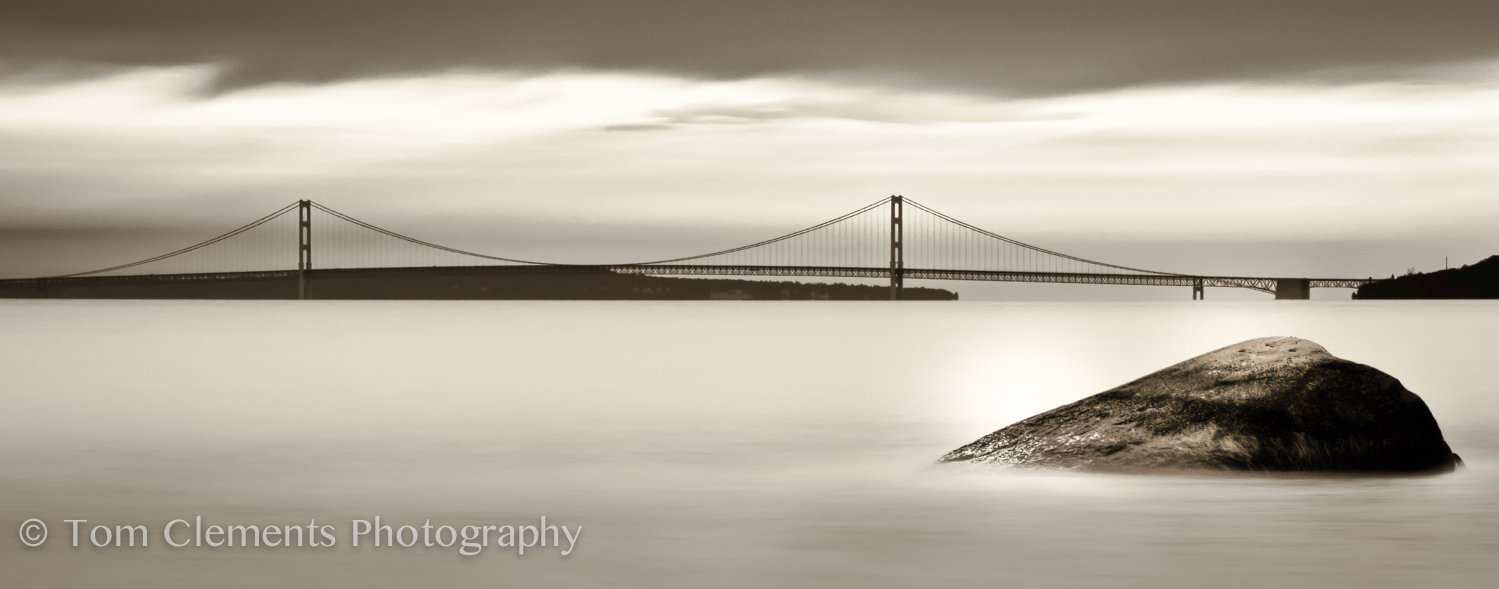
x,y
1004,47
1180,162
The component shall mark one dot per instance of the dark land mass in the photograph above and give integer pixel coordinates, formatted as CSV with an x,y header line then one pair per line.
x,y
449,283
1478,281
1269,404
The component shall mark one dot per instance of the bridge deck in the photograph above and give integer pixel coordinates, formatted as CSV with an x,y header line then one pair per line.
x,y
1261,283
1264,284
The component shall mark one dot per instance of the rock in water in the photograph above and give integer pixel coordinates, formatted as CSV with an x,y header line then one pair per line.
x,y
1276,403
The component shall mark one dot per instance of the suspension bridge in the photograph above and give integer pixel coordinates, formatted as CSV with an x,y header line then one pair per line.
x,y
894,239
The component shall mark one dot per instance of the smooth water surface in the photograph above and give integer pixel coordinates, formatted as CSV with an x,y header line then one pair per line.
x,y
711,444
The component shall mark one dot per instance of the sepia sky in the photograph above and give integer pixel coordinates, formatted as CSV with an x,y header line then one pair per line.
x,y
1272,137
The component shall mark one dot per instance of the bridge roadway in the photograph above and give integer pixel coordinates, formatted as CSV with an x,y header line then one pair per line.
x,y
1263,284
1282,288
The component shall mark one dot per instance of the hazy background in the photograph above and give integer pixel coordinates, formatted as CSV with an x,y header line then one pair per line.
x,y
1351,138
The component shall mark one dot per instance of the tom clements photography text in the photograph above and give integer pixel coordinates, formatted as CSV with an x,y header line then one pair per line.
x,y
376,532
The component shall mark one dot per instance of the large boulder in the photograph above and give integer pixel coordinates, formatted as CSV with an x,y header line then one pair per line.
x,y
1275,403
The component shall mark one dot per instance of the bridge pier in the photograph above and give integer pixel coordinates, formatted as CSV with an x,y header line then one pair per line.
x,y
1293,289
1198,294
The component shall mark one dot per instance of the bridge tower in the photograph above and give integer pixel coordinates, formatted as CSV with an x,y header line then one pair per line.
x,y
304,246
897,247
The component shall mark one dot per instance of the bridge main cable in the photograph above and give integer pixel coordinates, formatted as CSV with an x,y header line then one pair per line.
x,y
420,242
785,237
1028,246
196,246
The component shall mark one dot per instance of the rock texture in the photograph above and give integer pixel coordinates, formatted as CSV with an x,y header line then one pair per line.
x,y
1278,403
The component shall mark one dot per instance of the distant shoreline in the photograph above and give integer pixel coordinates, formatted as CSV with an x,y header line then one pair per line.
x,y
1476,281
478,283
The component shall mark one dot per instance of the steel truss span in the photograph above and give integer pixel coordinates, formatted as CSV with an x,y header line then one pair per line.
x,y
1251,282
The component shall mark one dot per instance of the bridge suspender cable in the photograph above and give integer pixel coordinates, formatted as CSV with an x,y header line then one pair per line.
x,y
785,237
199,245
1033,248
416,241
412,240
946,244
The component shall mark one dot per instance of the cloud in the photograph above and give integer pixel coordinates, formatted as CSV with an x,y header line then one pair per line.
x,y
862,105
1180,162
528,166
1005,47
638,127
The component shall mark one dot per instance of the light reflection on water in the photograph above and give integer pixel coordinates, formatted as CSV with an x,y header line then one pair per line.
x,y
713,444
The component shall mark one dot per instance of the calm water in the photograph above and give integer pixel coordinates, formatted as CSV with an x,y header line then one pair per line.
x,y
702,444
